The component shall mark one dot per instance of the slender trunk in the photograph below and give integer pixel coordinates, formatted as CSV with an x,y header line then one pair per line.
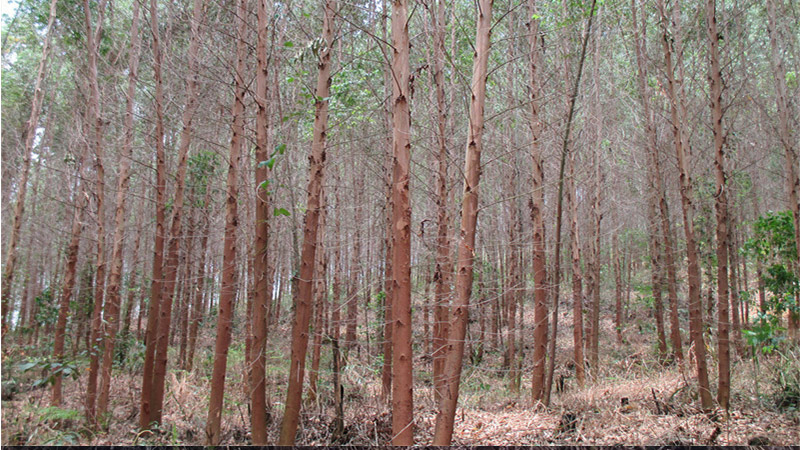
x,y
198,292
29,134
541,290
445,417
678,116
721,206
616,261
262,283
352,296
320,291
294,393
388,326
157,281
786,131
111,315
596,214
229,273
93,35
565,150
80,197
577,285
171,262
441,275
402,381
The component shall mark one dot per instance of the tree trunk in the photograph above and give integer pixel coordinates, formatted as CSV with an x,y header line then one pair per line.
x,y
229,284
111,315
262,283
678,115
94,114
577,285
441,276
540,324
785,129
721,206
294,394
29,134
320,292
402,381
151,333
469,216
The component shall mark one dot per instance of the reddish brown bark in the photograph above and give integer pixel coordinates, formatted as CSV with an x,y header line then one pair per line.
x,y
28,137
294,393
674,74
541,290
151,333
229,272
94,113
111,314
469,216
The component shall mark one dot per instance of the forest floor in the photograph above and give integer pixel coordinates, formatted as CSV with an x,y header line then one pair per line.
x,y
635,401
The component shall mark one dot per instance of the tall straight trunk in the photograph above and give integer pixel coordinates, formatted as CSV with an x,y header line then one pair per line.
x,y
188,286
785,129
733,276
320,291
302,313
541,290
68,283
355,258
441,275
29,134
111,314
721,206
654,182
565,150
157,281
198,292
171,262
335,334
577,281
228,287
262,282
93,35
616,261
596,215
388,326
512,294
402,380
678,116
133,281
445,417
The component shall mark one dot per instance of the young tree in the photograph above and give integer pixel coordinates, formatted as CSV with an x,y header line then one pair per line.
x,y
445,417
228,287
721,206
676,96
28,137
303,296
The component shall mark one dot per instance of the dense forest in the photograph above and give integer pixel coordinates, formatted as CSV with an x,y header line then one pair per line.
x,y
400,221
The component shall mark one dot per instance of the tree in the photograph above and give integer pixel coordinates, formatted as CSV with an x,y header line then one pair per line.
x,y
675,94
229,271
445,417
303,296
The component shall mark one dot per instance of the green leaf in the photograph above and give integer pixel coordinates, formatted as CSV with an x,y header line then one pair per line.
x,y
280,149
264,185
288,44
281,212
269,163
27,366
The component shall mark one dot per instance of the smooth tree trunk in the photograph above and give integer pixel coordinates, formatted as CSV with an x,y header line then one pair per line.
x,y
721,207
111,315
229,283
80,198
171,263
678,115
94,113
441,275
539,265
29,134
402,358
577,275
445,418
303,295
157,281
262,282
565,151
